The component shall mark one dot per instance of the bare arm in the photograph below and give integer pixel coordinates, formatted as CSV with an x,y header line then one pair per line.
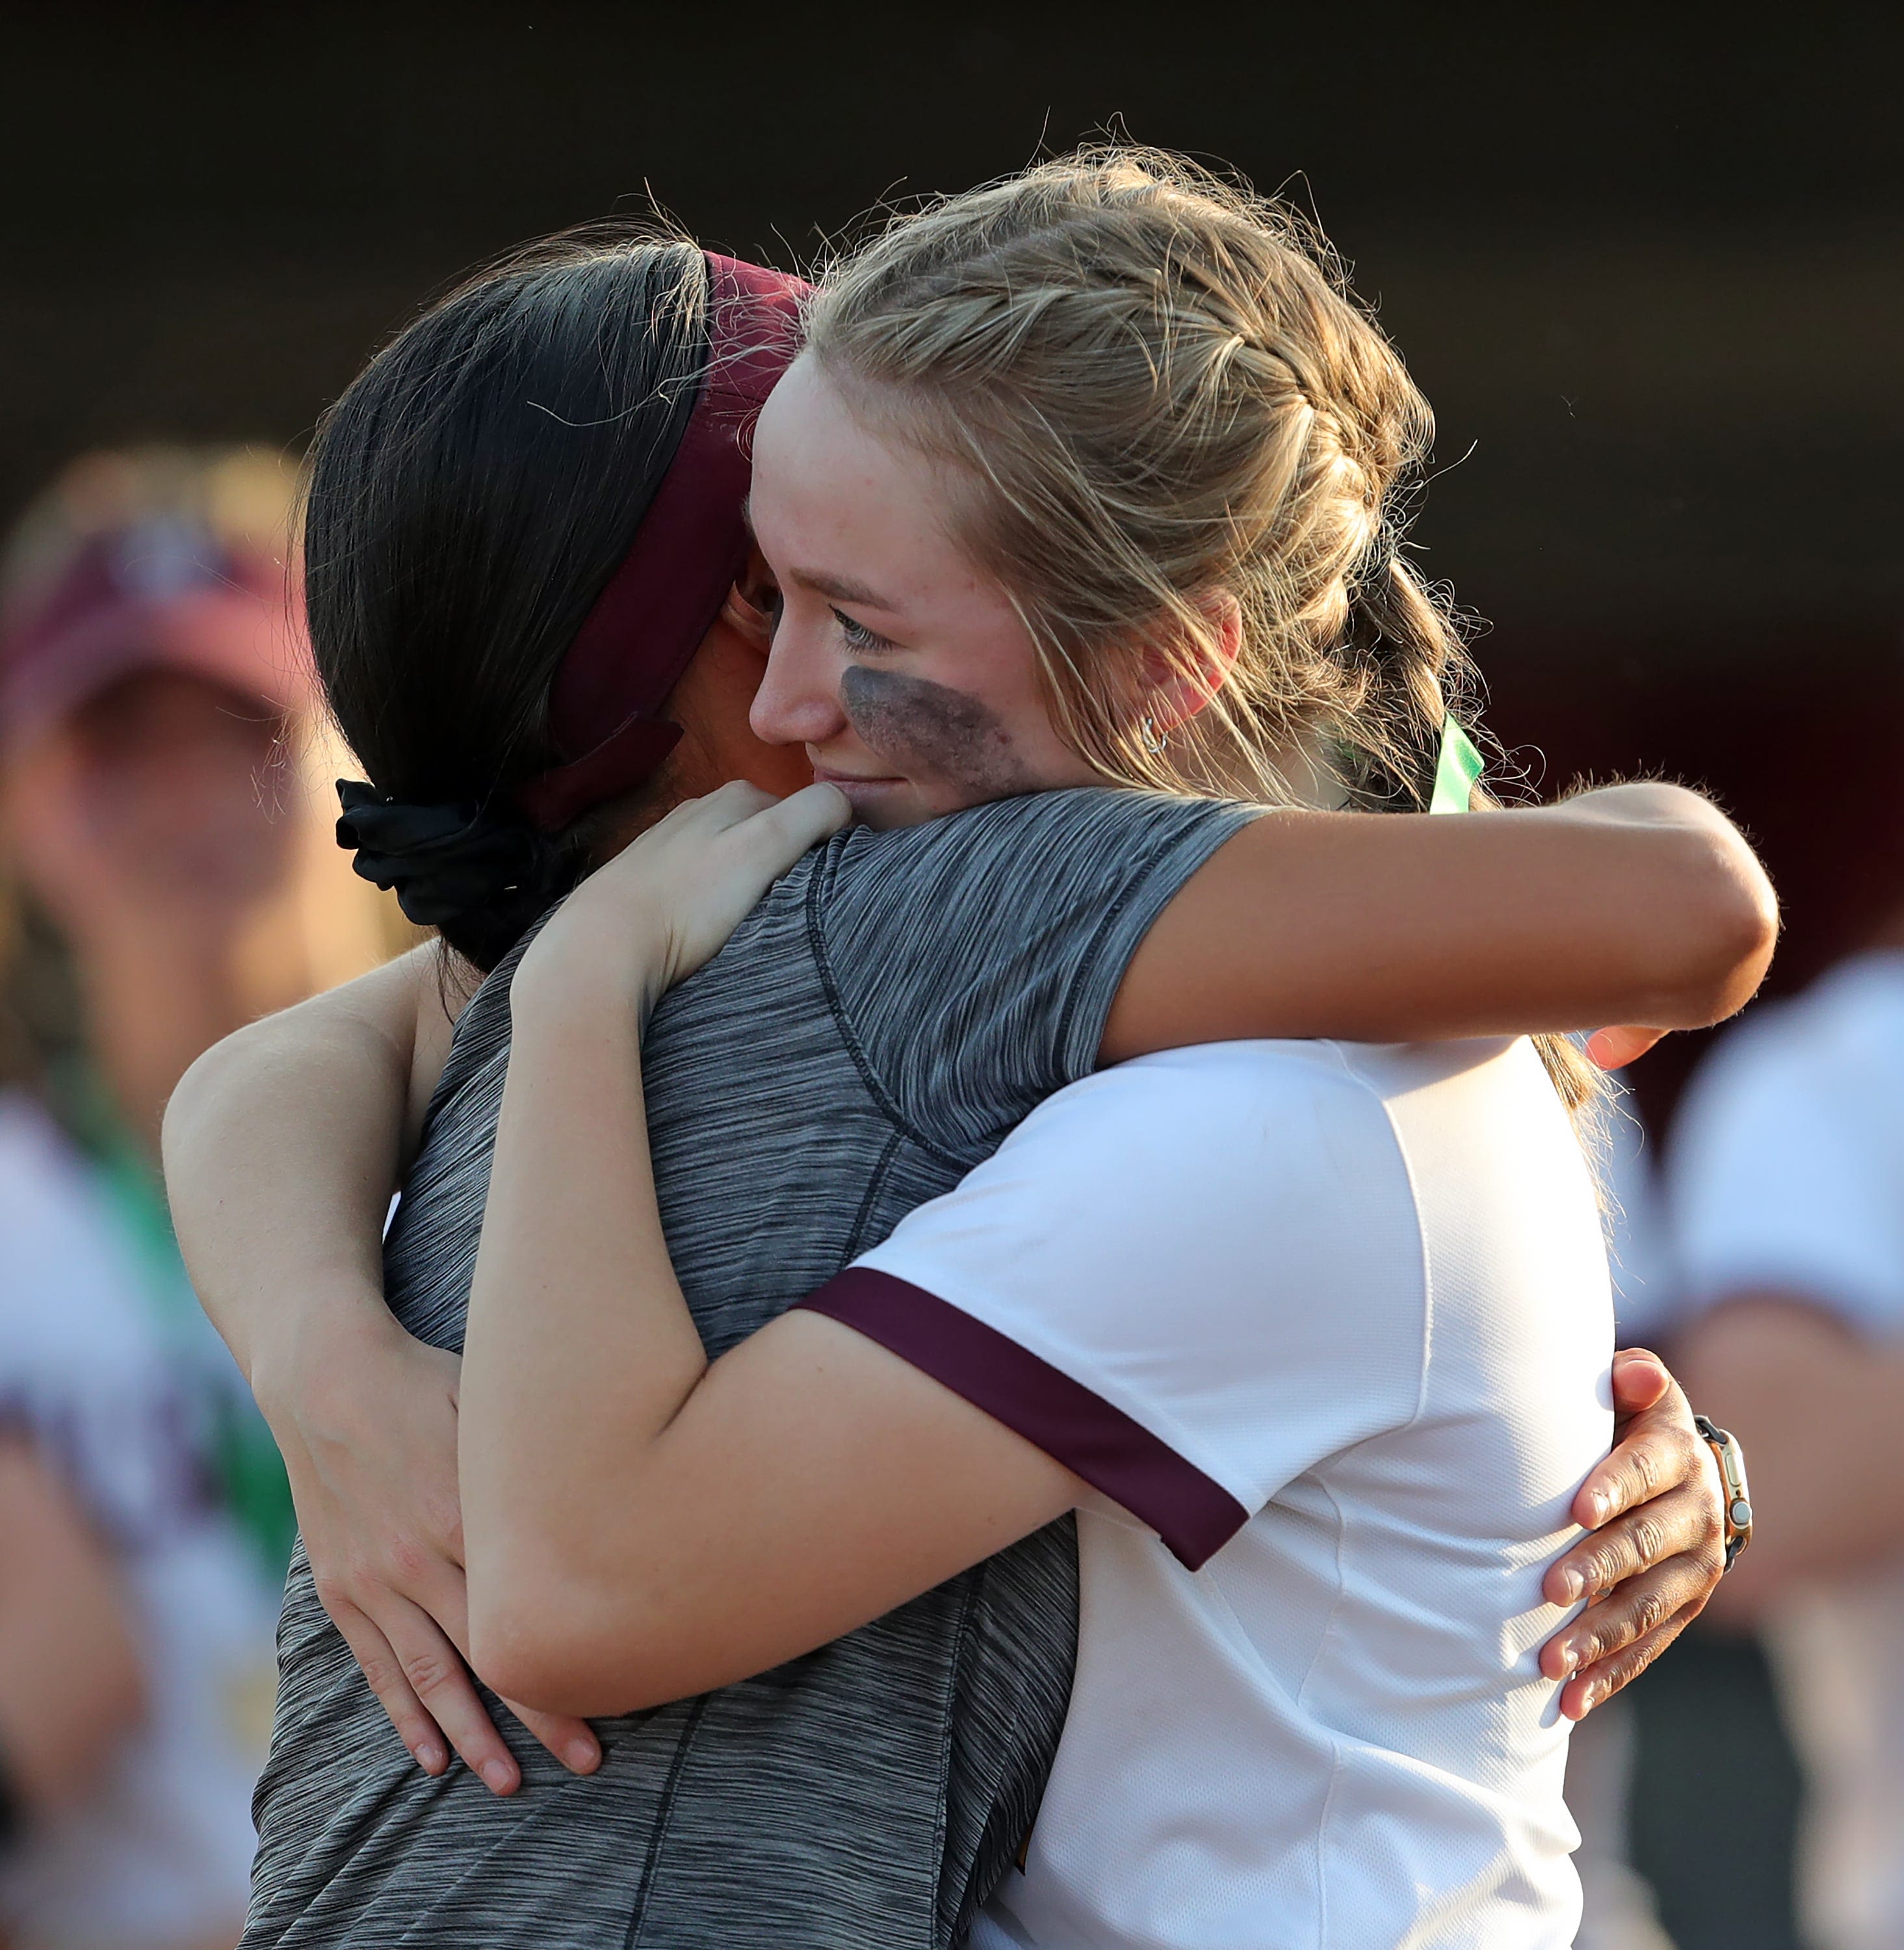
x,y
642,1525
1819,1405
283,1146
1633,904
598,1444
72,1685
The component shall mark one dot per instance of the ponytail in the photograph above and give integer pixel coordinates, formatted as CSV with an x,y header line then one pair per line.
x,y
469,495
1420,675
1166,401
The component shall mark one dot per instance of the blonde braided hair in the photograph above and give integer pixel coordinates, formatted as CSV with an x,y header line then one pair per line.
x,y
1166,412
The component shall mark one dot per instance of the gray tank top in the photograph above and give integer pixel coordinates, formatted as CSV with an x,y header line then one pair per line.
x,y
895,1005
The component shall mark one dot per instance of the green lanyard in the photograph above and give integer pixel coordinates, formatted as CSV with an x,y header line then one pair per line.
x,y
1458,771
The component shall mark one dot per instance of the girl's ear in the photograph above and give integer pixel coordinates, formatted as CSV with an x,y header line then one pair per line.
x,y
1179,688
752,601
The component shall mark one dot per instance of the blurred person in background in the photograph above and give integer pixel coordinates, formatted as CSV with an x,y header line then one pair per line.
x,y
1786,1184
1684,1788
166,884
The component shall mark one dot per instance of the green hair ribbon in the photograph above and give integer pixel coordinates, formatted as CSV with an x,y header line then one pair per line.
x,y
1457,771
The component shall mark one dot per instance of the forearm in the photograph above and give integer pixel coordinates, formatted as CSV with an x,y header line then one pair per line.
x,y
580,1350
1633,903
283,1145
1817,1406
71,1684
640,1525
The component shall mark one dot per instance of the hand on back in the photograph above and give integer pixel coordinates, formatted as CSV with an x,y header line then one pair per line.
x,y
668,902
1654,1515
369,1440
372,1448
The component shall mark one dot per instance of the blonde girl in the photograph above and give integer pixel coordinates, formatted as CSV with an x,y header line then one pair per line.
x,y
1005,584
1091,477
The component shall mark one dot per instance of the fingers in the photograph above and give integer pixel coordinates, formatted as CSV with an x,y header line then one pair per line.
x,y
383,1672
1614,1048
434,1670
1658,1451
571,1741
803,819
1640,1381
1599,1683
1683,1524
775,831
729,805
1656,1510
1632,1612
769,835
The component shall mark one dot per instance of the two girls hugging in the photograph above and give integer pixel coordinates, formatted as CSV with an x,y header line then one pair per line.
x,y
997,1328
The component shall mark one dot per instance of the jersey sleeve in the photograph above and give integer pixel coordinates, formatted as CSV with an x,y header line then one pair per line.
x,y
1189,1278
972,962
1787,1171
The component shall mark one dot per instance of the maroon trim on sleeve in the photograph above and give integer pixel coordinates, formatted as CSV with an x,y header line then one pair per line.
x,y
1193,1516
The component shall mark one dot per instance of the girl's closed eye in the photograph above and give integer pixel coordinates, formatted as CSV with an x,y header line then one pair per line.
x,y
868,643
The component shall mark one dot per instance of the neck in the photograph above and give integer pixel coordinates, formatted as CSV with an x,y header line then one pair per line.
x,y
1306,779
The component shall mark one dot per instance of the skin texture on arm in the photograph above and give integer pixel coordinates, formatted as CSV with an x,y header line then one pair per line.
x,y
72,1686
283,1145
642,1526
1632,904
911,675
1819,1404
590,1581
1515,921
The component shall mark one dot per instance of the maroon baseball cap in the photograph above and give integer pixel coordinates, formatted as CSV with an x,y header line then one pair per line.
x,y
166,593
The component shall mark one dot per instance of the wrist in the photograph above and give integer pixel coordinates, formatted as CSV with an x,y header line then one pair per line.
x,y
586,974
330,1329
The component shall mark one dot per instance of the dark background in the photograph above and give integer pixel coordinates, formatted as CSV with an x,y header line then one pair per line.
x,y
1648,264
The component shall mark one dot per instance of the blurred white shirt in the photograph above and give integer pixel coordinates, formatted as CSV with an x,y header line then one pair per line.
x,y
1786,1176
160,1853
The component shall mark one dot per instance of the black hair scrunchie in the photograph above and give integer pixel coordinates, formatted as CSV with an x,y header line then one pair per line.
x,y
442,862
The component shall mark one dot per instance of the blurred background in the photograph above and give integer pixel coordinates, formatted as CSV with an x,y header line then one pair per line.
x,y
1647,264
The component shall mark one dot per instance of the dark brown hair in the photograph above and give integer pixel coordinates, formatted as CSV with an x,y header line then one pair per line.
x,y
468,496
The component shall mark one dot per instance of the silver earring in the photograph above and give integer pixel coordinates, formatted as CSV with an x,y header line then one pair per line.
x,y
1152,743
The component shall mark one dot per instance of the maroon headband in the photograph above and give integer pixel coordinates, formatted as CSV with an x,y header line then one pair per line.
x,y
647,623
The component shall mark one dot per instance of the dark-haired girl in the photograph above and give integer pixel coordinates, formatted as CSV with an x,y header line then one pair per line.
x,y
525,526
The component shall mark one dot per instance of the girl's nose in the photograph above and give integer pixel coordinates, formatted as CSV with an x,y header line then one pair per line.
x,y
798,702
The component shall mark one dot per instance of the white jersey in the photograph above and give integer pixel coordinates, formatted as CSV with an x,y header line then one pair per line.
x,y
1786,1176
160,1851
1328,1330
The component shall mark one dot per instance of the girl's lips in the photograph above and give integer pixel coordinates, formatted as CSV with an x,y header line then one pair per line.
x,y
850,783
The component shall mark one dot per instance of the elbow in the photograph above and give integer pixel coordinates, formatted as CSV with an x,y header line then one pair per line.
x,y
205,1088
540,1638
1723,916
198,1084
523,1646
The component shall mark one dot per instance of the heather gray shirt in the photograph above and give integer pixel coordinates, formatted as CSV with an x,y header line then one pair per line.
x,y
892,1007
